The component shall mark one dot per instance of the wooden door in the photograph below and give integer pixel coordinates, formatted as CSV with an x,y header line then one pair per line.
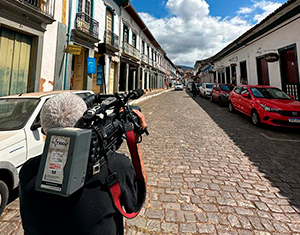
x,y
262,71
111,77
289,72
79,76
15,55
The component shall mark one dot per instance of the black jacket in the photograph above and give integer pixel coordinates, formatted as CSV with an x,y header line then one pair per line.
x,y
89,211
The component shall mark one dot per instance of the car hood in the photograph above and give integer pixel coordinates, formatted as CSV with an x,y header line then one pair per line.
x,y
9,138
208,89
288,105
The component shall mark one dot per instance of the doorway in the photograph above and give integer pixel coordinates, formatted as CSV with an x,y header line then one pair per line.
x,y
79,71
15,57
227,74
262,71
289,71
243,70
111,77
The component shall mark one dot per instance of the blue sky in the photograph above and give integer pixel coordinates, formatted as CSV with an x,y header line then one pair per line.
x,y
200,28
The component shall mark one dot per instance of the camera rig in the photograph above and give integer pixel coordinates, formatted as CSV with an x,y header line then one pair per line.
x,y
73,155
109,117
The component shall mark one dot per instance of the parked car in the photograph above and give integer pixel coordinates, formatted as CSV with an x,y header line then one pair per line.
x,y
205,90
20,135
265,104
220,93
198,85
189,86
178,86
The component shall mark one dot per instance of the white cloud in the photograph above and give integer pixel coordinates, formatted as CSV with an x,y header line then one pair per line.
x,y
190,33
261,8
245,10
266,7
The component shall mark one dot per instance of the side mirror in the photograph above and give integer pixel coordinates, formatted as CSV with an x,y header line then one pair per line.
x,y
35,126
246,95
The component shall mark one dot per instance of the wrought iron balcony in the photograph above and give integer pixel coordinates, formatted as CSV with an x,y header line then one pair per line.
x,y
130,50
87,24
44,6
111,39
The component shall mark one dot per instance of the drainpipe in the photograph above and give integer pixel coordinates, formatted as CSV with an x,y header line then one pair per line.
x,y
69,39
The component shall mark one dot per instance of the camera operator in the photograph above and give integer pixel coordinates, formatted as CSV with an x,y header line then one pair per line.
x,y
90,210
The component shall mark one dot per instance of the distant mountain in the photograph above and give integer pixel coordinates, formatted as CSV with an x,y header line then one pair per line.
x,y
184,67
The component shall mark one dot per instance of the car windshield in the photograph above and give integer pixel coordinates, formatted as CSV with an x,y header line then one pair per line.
x,y
224,88
269,93
209,85
178,84
199,84
15,112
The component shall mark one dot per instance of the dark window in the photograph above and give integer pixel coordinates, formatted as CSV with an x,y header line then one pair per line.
x,y
126,34
143,47
224,88
134,40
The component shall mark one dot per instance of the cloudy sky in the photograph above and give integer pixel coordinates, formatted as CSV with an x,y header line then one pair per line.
x,y
190,30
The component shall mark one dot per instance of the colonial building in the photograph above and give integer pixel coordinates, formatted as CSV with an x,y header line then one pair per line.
x,y
102,46
267,54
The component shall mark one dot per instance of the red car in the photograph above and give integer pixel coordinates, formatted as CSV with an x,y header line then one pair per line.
x,y
220,93
265,104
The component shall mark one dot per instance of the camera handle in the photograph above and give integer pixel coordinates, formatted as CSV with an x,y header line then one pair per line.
x,y
112,179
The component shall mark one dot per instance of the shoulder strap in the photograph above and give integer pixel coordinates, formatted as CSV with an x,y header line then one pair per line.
x,y
113,183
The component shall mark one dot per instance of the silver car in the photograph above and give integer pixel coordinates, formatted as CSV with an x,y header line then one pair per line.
x,y
205,90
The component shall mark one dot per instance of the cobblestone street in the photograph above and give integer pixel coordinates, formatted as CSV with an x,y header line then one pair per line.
x,y
210,172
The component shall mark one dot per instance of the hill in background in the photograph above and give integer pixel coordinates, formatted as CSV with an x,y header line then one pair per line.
x,y
184,67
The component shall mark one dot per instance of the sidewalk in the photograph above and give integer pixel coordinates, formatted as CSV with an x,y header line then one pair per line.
x,y
150,94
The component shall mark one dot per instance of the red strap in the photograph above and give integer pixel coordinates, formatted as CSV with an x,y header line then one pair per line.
x,y
134,154
114,186
115,191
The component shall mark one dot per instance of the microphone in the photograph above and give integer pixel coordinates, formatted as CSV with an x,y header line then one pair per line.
x,y
136,94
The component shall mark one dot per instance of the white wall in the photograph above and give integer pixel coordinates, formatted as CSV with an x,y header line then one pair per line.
x,y
49,49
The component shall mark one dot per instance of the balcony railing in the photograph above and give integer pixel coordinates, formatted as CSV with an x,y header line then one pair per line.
x,y
111,39
87,24
130,50
45,6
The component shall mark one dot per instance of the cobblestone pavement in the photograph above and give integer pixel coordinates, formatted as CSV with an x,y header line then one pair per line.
x,y
210,172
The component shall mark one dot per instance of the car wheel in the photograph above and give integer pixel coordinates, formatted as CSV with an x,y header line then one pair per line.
x,y
3,196
230,107
205,96
255,118
211,99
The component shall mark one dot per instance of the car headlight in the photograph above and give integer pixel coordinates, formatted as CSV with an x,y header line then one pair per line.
x,y
269,109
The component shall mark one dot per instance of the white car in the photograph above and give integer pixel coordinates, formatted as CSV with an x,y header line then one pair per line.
x,y
205,90
178,86
20,135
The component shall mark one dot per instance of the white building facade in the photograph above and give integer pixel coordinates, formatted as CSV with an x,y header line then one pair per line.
x,y
267,54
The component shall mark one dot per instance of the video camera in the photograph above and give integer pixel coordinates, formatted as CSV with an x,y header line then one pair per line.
x,y
73,155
